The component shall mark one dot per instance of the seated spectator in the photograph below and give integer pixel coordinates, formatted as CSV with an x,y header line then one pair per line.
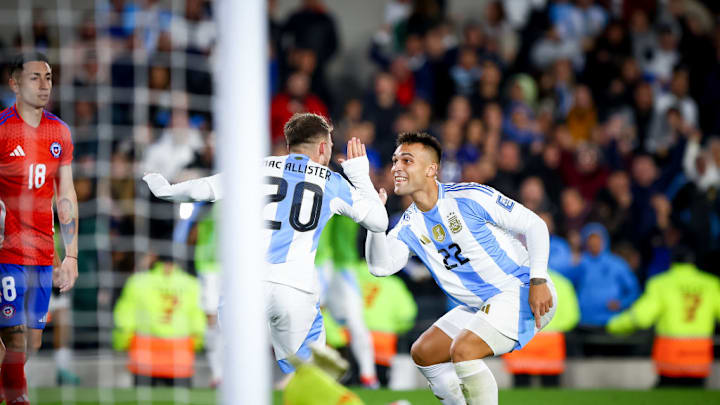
x,y
582,117
520,126
466,73
295,99
605,284
381,108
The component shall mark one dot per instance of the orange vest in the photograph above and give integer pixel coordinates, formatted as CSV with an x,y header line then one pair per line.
x,y
683,357
385,344
159,357
544,354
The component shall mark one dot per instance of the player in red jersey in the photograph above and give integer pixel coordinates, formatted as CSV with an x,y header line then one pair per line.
x,y
35,156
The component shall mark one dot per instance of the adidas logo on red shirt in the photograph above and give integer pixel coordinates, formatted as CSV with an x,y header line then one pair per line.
x,y
18,151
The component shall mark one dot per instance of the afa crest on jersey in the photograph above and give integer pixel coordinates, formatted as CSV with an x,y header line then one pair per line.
x,y
455,224
56,149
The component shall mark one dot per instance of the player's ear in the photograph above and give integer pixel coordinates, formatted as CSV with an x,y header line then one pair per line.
x,y
13,83
432,170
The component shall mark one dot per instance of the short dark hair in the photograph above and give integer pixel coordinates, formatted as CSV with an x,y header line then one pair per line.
x,y
427,140
305,128
18,61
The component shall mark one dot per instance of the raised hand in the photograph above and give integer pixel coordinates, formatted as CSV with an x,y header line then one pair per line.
x,y
355,148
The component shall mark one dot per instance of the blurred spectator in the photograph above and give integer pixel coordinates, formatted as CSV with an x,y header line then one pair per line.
x,y
174,149
678,98
533,197
194,30
400,69
466,72
520,126
382,109
159,321
702,166
643,111
501,39
553,47
352,115
582,117
488,90
475,143
459,111
660,63
584,170
605,283
311,27
509,169
295,99
574,213
452,138
546,166
682,305
612,206
644,39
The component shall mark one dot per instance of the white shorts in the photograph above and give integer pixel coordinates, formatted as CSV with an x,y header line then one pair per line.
x,y
210,291
294,320
505,321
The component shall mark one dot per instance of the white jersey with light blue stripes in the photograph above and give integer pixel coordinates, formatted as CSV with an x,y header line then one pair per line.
x,y
303,195
466,243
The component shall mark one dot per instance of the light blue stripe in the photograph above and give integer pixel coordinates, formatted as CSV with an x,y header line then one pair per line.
x,y
469,277
304,352
335,187
282,238
470,186
487,240
526,319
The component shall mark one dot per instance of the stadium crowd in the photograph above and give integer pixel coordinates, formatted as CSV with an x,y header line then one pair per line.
x,y
601,116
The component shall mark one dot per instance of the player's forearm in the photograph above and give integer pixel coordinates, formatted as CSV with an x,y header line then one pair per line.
x,y
379,256
358,171
376,219
538,245
67,207
202,189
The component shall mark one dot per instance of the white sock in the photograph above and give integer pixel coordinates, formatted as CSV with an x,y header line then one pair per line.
x,y
444,383
478,384
361,341
62,358
213,347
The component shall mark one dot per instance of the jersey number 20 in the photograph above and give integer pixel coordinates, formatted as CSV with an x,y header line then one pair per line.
x,y
298,193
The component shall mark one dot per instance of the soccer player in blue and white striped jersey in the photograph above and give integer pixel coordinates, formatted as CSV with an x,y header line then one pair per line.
x,y
467,235
303,193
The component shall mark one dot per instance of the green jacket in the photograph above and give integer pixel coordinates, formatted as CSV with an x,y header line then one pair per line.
x,y
682,302
567,313
206,245
338,243
160,305
389,305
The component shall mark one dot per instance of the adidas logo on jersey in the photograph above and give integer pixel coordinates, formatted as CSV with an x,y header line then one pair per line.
x,y
18,151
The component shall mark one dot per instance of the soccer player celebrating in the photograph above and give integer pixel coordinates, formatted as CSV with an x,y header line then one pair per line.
x,y
466,236
302,196
35,155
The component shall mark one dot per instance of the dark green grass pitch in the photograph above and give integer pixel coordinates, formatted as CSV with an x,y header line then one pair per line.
x,y
165,396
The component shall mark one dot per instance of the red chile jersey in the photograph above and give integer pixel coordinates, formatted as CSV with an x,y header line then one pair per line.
x,y
29,162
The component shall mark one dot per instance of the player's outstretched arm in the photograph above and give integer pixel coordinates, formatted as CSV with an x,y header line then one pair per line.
x,y
385,254
202,189
367,208
67,209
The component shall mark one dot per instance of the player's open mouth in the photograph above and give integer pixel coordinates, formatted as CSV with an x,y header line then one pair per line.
x,y
400,179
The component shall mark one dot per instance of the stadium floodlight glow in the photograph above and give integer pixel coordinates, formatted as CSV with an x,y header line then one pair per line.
x,y
241,108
